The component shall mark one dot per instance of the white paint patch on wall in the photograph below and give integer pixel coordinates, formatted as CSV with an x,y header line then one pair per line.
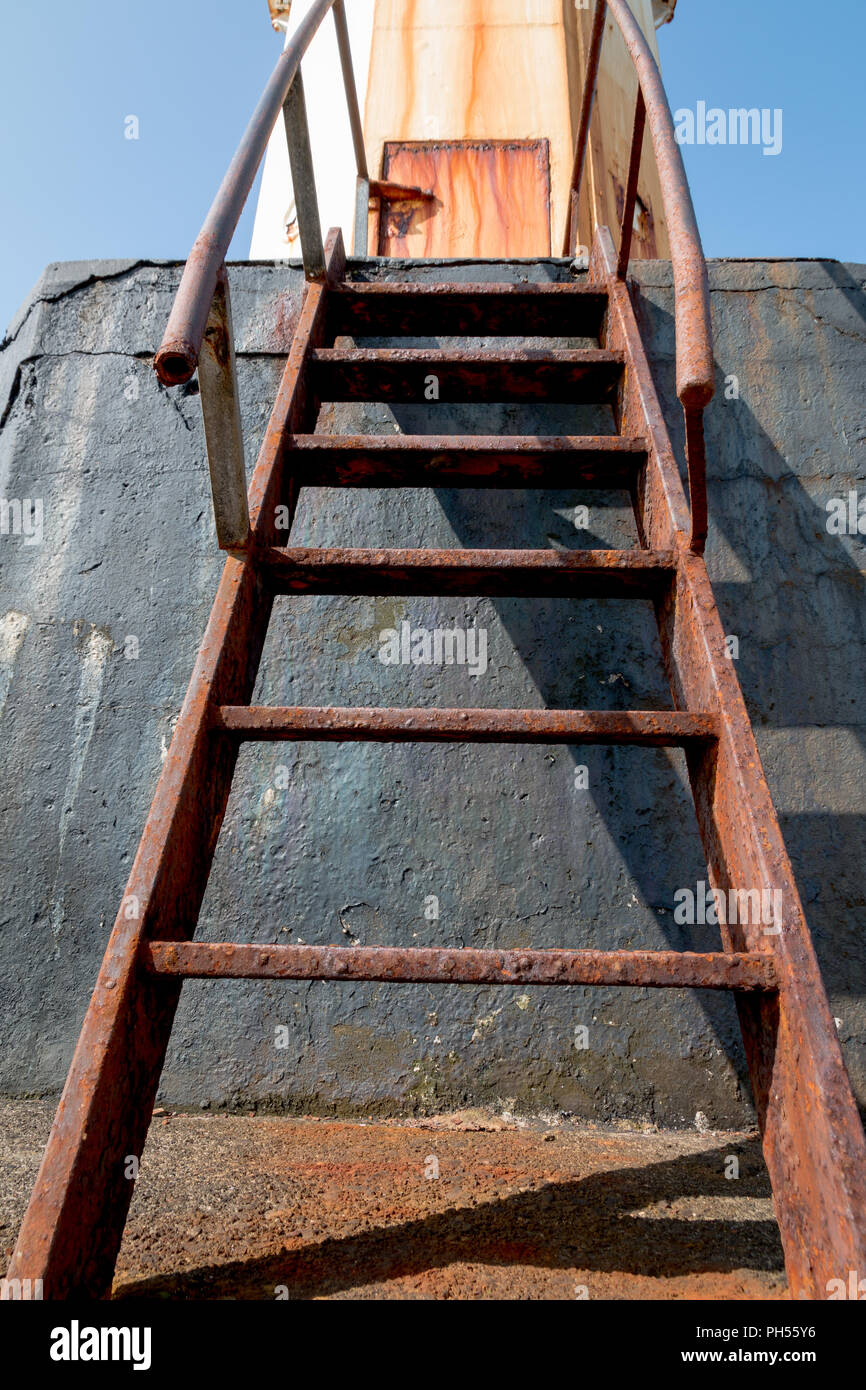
x,y
98,648
13,627
330,137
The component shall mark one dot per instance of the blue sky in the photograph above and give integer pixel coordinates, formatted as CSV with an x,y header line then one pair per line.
x,y
192,72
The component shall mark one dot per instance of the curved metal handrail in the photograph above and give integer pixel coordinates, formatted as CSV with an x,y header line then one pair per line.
x,y
695,371
694,335
199,332
177,356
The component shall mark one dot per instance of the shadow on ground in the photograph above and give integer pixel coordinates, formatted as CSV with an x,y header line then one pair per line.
x,y
621,1222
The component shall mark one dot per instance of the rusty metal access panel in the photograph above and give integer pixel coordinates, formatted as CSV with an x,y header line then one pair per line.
x,y
490,198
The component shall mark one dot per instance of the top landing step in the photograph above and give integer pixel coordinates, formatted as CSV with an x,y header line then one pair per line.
x,y
527,309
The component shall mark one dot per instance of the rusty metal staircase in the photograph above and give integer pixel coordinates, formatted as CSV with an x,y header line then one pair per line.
x,y
812,1137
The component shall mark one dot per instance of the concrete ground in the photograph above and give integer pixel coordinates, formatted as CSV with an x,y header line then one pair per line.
x,y
463,1206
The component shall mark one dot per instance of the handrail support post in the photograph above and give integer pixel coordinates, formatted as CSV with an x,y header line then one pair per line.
x,y
631,186
223,432
362,217
362,195
304,180
355,122
696,458
582,141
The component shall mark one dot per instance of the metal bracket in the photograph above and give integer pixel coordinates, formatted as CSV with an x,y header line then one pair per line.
x,y
218,383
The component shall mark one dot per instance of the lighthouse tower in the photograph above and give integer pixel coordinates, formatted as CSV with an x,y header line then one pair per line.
x,y
470,149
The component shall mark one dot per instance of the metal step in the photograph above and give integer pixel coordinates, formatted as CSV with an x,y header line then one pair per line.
x,y
518,573
406,375
647,728
753,971
466,310
425,460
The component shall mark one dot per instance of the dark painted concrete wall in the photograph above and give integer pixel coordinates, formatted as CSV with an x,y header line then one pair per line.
x,y
327,843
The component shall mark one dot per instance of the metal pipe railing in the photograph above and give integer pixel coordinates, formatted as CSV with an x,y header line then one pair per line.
x,y
200,318
694,340
198,333
178,354
362,203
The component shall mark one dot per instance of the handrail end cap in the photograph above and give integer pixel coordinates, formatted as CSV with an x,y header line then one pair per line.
x,y
175,362
696,393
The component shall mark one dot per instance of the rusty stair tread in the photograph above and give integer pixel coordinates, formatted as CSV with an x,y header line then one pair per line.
x,y
558,376
326,723
753,970
471,443
517,573
535,357
423,460
466,309
472,289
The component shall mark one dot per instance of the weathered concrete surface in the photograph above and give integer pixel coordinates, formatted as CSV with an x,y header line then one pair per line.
x,y
329,843
467,1206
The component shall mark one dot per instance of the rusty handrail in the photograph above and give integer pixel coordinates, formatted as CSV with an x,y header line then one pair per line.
x,y
177,356
199,330
694,339
695,372
200,318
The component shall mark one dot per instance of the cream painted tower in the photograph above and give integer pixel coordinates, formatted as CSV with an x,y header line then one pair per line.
x,y
470,110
